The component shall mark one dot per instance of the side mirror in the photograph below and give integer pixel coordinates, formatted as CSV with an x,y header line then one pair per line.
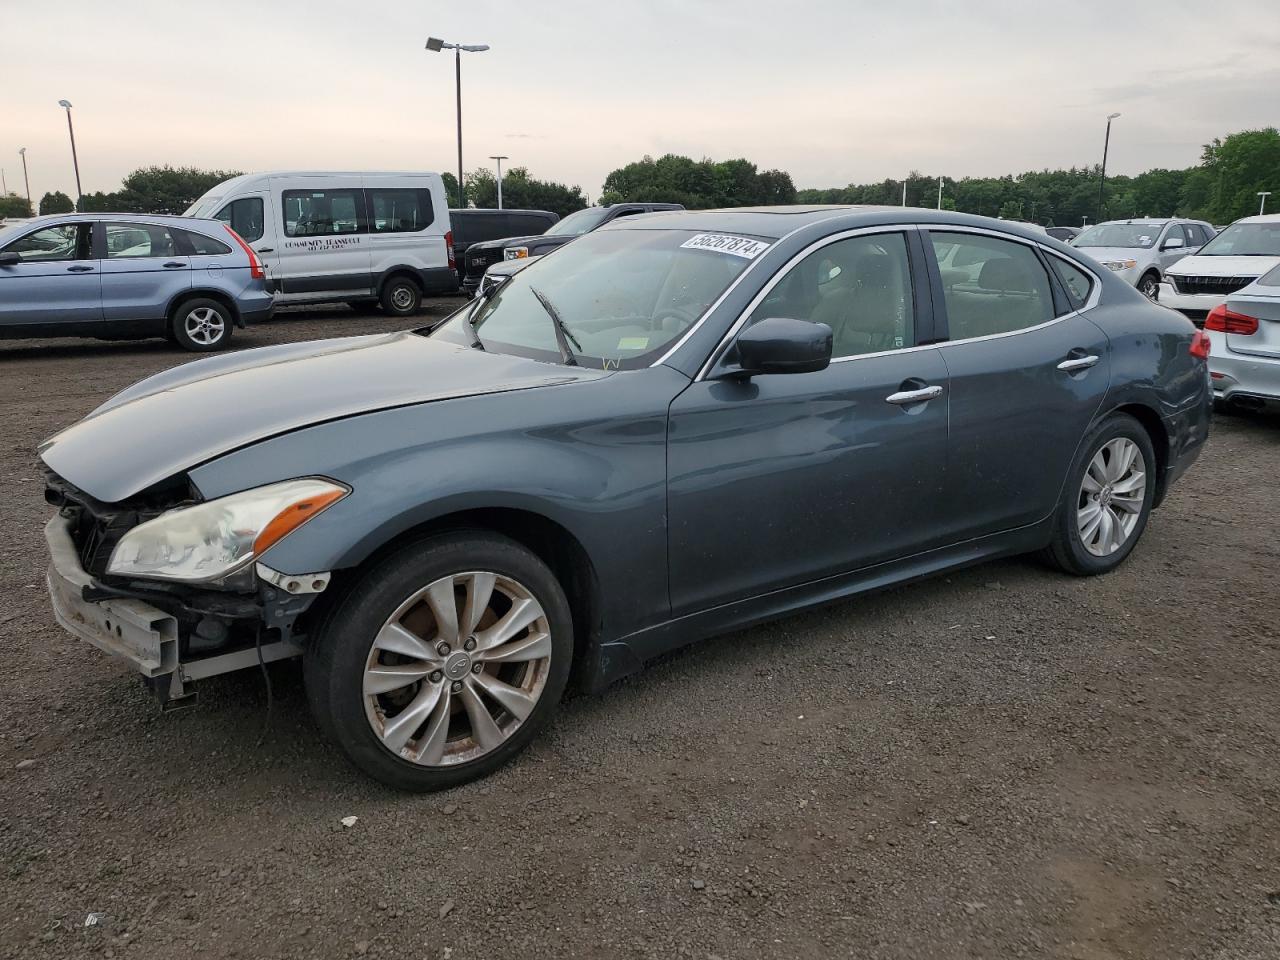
x,y
9,259
1173,243
783,345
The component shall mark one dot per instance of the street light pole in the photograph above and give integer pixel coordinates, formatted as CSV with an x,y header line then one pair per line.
x,y
904,193
1102,182
1262,207
435,45
22,152
66,105
939,193
499,159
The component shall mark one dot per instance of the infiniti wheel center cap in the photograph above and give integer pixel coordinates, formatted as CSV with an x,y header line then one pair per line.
x,y
1105,498
457,666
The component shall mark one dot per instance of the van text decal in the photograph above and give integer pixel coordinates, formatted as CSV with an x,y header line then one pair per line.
x,y
320,244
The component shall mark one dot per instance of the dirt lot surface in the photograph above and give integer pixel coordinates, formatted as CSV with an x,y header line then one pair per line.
x,y
1000,763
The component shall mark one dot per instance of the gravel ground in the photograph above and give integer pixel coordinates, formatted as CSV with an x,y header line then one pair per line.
x,y
1000,763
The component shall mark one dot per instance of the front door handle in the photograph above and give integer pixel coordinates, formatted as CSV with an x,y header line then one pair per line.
x,y
267,250
904,397
1074,364
174,263
79,268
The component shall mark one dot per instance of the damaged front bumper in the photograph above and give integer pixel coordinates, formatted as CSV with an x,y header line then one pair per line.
x,y
156,642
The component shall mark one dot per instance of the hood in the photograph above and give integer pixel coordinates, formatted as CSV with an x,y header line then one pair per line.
x,y
1197,266
201,410
517,242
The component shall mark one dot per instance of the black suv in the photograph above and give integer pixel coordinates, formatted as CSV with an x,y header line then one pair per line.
x,y
481,256
472,226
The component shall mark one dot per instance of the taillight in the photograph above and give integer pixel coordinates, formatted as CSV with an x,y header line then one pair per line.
x,y
448,249
255,265
1200,345
1228,321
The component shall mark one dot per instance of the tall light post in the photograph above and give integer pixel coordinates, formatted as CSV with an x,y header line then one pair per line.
x,y
66,105
1262,195
904,193
22,152
1102,182
939,193
435,45
499,159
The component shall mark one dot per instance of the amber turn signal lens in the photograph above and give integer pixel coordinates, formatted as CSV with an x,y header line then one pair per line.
x,y
292,517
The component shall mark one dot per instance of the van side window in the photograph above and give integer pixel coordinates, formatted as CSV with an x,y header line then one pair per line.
x,y
399,211
245,217
322,213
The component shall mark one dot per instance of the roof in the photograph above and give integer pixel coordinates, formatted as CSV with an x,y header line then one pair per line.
x,y
1260,218
776,222
114,217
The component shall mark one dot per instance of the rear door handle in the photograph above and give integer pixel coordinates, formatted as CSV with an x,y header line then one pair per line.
x,y
174,263
79,268
267,250
1078,363
904,397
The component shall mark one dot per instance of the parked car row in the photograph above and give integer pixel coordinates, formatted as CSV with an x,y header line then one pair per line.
x,y
1140,251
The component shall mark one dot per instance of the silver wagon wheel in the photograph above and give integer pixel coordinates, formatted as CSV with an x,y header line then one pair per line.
x,y
204,325
457,668
1112,495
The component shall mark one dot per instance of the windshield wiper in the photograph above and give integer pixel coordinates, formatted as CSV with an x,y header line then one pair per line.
x,y
563,336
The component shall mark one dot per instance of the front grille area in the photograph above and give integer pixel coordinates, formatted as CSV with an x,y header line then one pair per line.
x,y
1210,285
97,527
478,261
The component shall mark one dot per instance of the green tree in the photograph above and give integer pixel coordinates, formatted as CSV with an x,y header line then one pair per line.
x,y
698,184
12,205
1238,167
450,188
166,189
521,191
56,202
102,203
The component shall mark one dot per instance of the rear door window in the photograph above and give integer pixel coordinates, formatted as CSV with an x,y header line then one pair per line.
x,y
990,286
322,213
127,241
245,217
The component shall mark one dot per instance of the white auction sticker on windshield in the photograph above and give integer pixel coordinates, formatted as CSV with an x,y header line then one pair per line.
x,y
720,243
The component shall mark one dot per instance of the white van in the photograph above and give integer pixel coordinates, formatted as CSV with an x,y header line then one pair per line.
x,y
342,236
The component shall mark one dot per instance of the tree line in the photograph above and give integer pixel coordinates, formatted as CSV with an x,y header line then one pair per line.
x,y
1223,187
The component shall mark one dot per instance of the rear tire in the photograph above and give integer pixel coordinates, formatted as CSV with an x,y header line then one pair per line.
x,y
201,325
400,297
465,709
1106,500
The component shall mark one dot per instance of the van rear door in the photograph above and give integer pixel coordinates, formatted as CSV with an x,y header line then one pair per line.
x,y
407,226
322,251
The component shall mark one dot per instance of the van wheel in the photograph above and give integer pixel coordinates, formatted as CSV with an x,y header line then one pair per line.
x,y
201,325
1106,500
443,661
400,297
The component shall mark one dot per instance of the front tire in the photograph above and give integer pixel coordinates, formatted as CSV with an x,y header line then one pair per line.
x,y
400,297
443,661
201,325
1106,500
1149,285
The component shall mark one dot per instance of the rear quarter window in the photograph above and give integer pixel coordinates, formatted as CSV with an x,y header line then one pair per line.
x,y
201,245
1077,283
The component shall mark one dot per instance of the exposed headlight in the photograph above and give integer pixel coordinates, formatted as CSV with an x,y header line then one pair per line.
x,y
1118,265
515,253
212,540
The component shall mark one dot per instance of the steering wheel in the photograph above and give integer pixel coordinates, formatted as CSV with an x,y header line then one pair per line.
x,y
683,317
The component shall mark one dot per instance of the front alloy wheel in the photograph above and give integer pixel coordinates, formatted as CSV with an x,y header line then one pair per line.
x,y
457,668
443,661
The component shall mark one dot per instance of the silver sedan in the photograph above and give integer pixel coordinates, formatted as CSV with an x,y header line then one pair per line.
x,y
1244,335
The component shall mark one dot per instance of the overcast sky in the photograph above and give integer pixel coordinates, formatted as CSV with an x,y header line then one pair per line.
x,y
832,92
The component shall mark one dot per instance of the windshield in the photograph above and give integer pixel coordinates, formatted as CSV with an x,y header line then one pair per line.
x,y
576,224
202,207
624,296
1257,239
1119,235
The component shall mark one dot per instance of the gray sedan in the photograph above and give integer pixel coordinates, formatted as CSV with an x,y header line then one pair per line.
x,y
673,427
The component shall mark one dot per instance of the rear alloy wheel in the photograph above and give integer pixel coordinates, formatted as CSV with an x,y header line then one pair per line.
x,y
443,662
1107,499
201,325
1149,286
400,297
